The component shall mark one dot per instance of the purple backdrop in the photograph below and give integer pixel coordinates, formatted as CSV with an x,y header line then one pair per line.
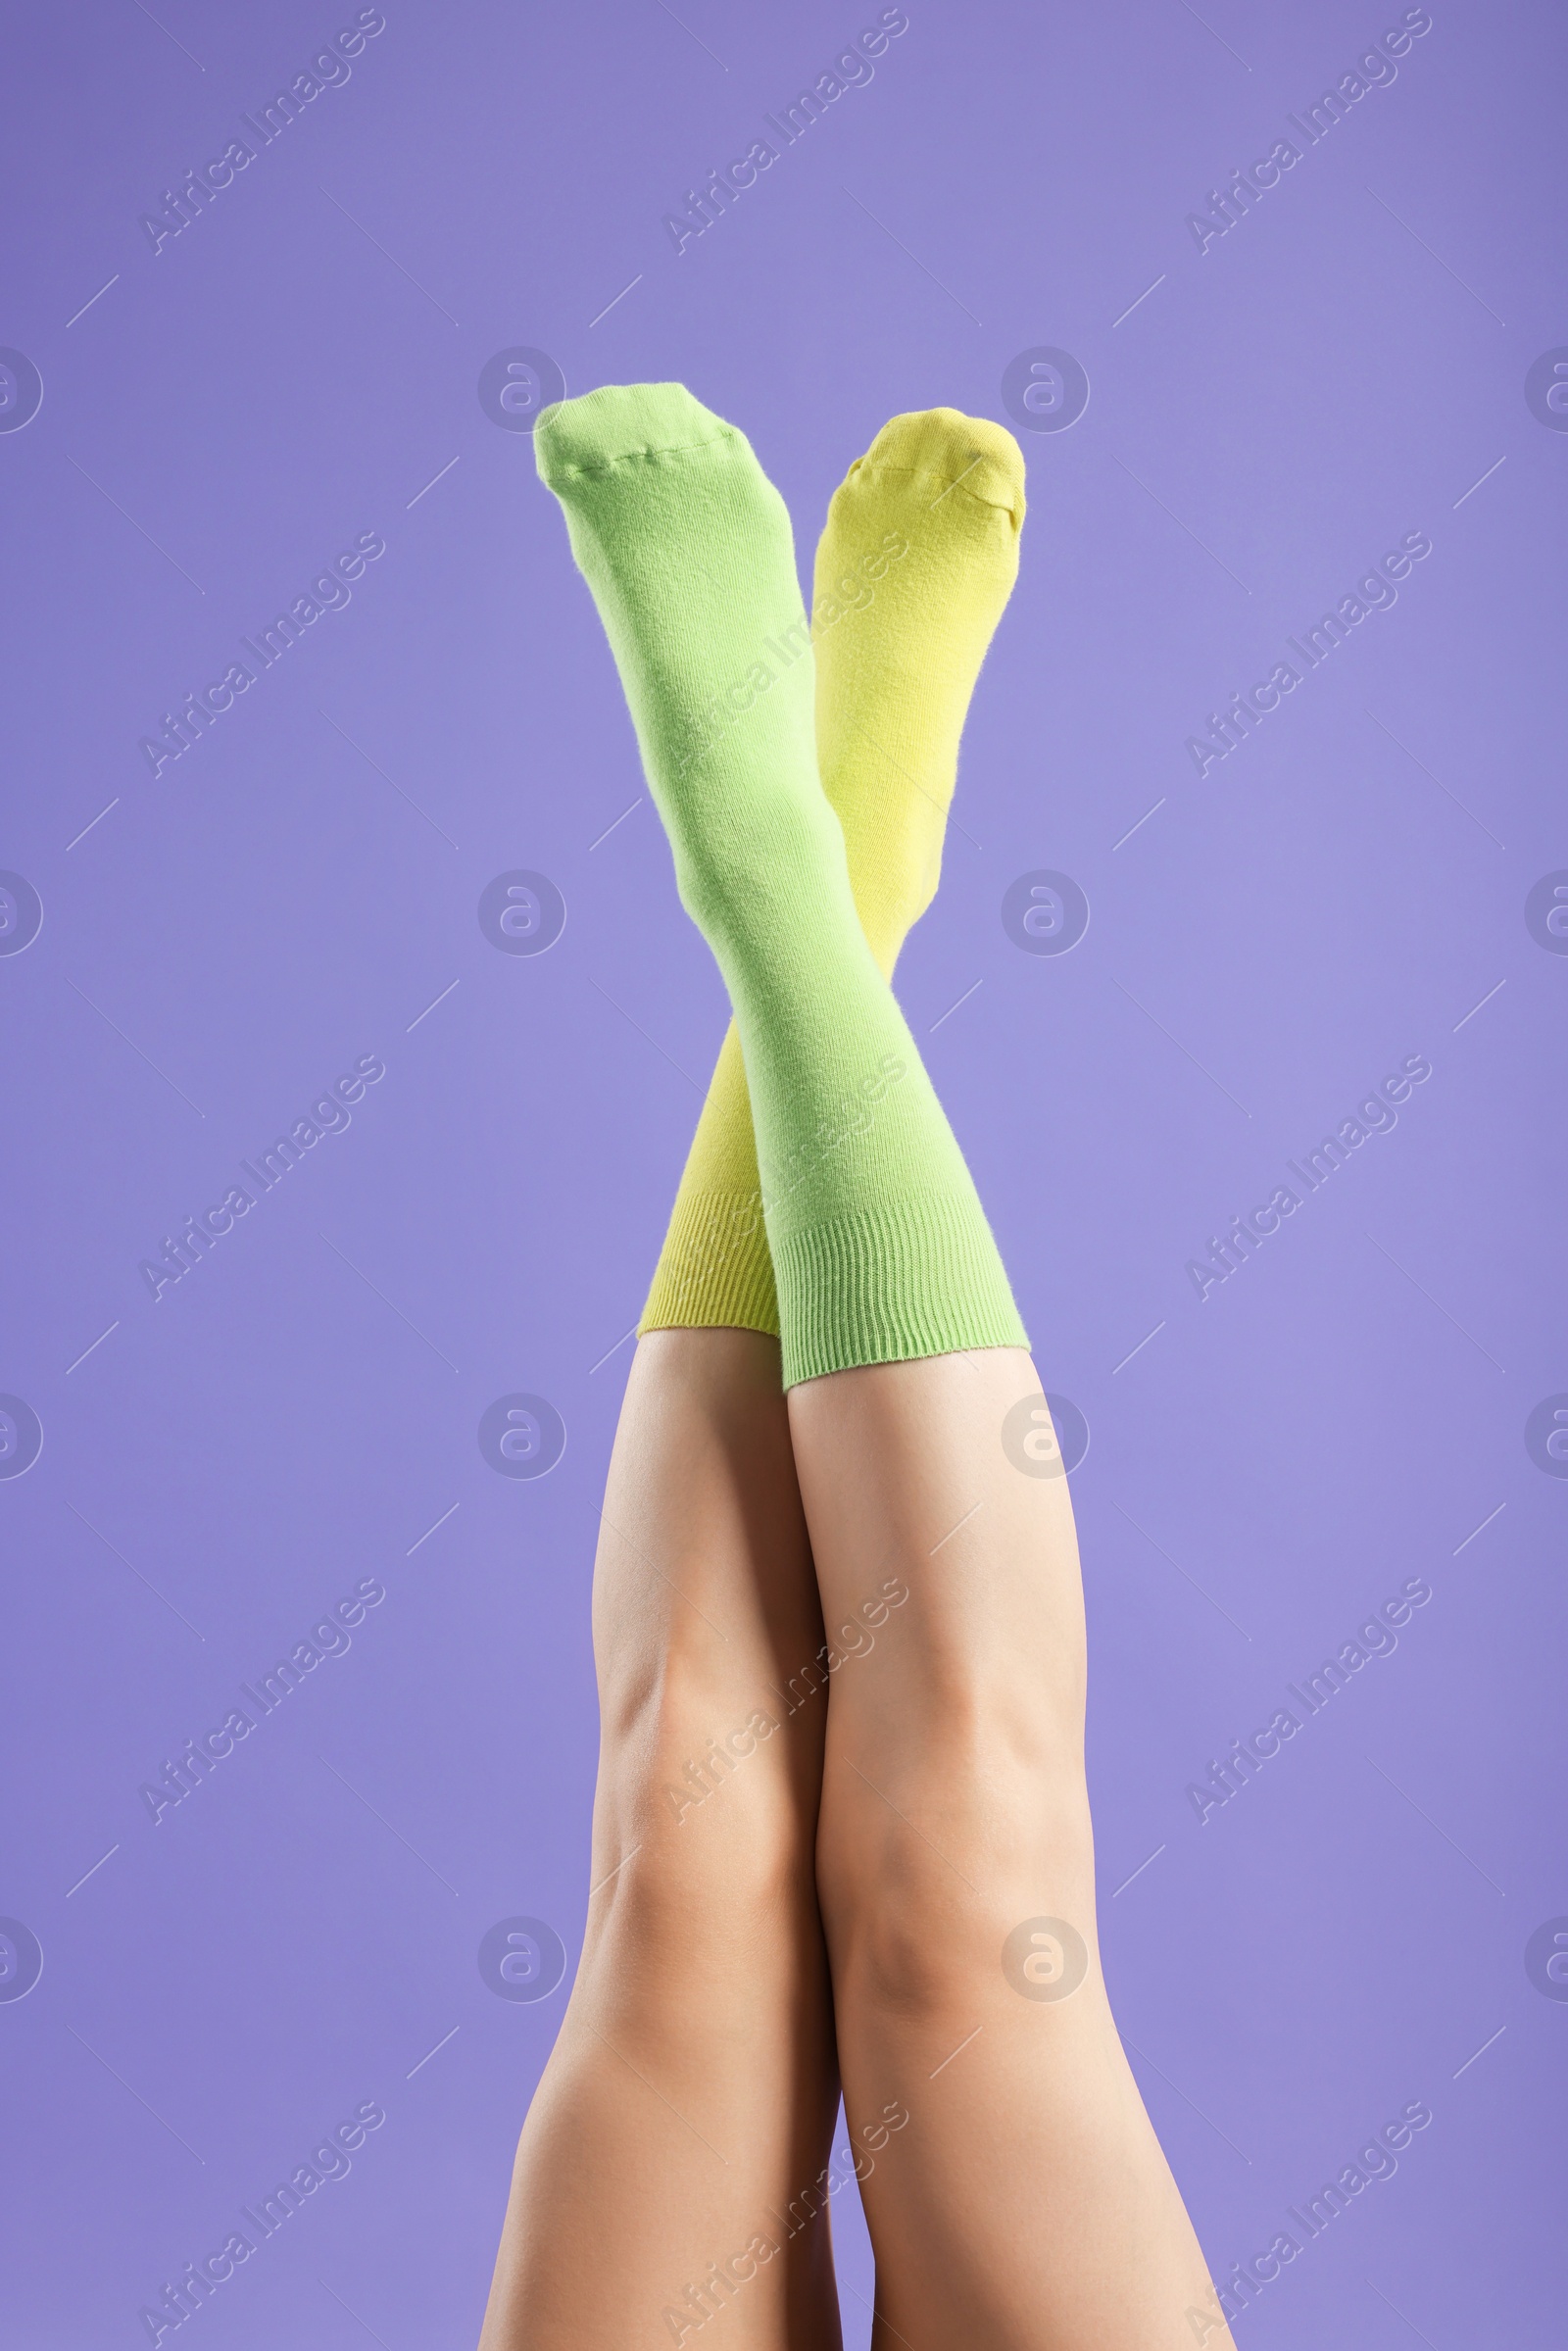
x,y
1344,355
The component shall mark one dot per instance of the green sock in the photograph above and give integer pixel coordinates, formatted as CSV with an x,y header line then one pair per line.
x,y
915,564
881,1249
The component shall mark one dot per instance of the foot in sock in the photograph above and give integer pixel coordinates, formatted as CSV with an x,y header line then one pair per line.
x,y
687,548
881,1249
913,570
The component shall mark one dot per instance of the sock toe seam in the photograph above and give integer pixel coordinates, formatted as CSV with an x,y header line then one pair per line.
x,y
640,457
1000,506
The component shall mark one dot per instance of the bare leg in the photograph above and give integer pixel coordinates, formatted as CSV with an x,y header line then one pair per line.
x,y
691,2096
1024,2203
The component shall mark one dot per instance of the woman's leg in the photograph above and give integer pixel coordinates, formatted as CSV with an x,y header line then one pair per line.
x,y
896,1312
912,574
1016,2195
689,2099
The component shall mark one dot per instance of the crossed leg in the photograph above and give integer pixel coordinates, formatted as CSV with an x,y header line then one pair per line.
x,y
691,2096
1018,2200
1018,2197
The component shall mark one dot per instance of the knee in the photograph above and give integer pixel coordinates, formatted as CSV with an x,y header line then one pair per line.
x,y
919,1902
714,1804
708,1912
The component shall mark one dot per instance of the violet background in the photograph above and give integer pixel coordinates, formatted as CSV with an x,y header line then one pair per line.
x,y
1340,1416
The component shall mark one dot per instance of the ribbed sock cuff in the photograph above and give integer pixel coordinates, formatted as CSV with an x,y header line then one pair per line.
x,y
910,1278
715,1271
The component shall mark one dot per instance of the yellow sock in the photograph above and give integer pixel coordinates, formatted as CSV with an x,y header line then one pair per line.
x,y
914,572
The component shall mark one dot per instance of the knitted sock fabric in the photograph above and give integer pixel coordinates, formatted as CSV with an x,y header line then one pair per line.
x,y
913,570
881,1249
